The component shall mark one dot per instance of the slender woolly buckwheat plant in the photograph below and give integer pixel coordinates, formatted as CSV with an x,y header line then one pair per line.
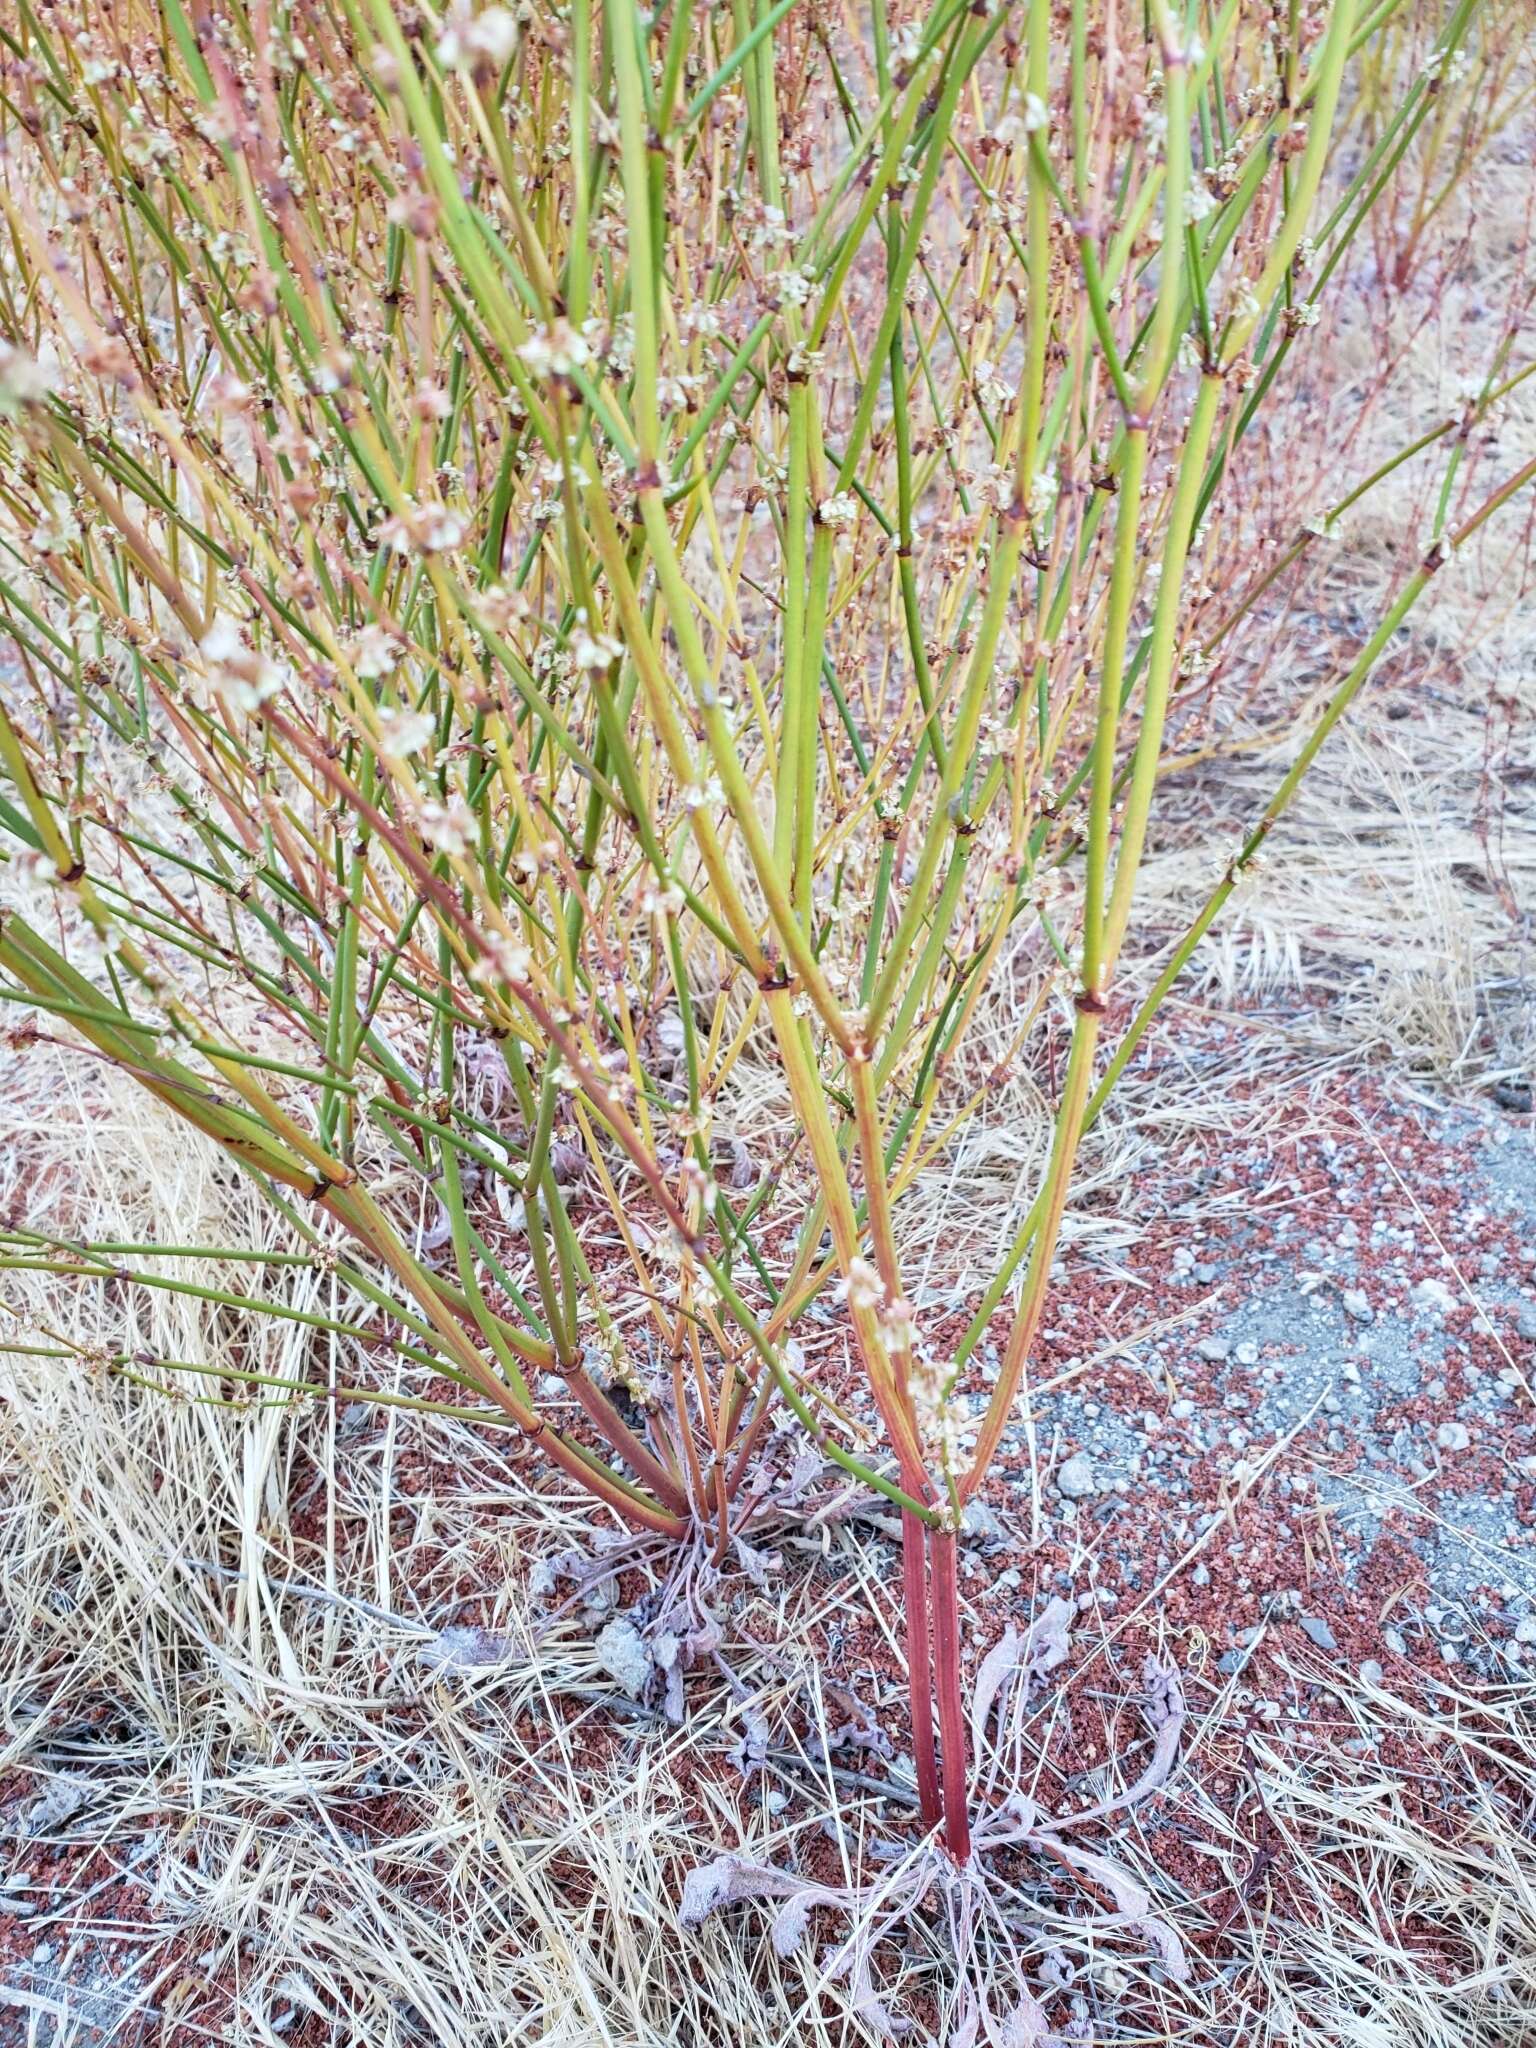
x,y
556,557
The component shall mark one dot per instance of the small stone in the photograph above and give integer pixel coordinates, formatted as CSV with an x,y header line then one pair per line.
x,y
1356,1305
1076,1479
1453,1436
43,1953
1182,1411
1395,1641
1372,1673
1434,1297
1525,1629
1317,1631
1216,1349
1247,1353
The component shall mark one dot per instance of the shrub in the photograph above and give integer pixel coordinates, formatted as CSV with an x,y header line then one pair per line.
x,y
551,556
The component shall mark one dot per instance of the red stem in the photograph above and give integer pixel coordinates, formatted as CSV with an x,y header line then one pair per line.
x,y
914,1586
946,1658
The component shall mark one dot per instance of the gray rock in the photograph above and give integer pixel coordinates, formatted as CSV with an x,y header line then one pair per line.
x,y
1216,1349
1453,1436
1317,1630
1356,1305
1372,1672
1076,1480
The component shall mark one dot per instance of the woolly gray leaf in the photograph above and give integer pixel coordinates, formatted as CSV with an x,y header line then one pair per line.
x,y
626,1657
997,1667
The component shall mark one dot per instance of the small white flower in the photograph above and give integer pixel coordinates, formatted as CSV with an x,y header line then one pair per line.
x,y
244,677
898,1324
468,41
1199,200
449,827
593,651
500,609
375,651
333,372
1042,494
990,385
772,230
841,510
403,732
862,1290
556,350
57,529
23,380
431,529
504,959
791,287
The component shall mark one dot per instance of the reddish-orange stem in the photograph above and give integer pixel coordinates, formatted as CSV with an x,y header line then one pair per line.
x,y
946,1666
914,1585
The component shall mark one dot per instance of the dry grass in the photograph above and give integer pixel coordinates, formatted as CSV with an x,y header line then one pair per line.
x,y
349,1838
